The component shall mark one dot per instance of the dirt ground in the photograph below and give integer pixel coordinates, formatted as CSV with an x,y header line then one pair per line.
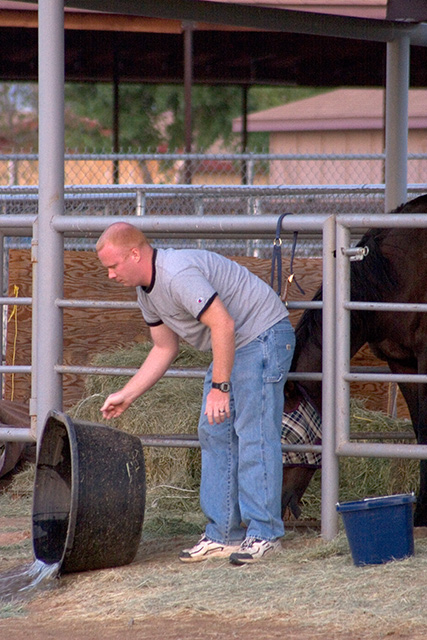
x,y
40,622
181,628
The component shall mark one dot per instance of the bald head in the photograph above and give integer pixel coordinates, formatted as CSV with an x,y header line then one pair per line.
x,y
122,235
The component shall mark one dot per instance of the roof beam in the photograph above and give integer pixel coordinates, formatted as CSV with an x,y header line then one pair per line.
x,y
266,18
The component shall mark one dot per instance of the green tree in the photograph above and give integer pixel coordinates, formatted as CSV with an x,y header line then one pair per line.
x,y
89,117
18,116
150,116
153,115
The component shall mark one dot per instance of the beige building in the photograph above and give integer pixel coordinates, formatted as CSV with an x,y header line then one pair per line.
x,y
342,121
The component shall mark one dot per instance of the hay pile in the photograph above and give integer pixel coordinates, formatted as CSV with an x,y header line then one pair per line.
x,y
395,475
173,474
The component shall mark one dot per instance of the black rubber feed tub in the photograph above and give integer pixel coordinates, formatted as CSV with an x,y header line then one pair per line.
x,y
89,495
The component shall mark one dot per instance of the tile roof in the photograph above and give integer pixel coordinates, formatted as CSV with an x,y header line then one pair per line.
x,y
352,108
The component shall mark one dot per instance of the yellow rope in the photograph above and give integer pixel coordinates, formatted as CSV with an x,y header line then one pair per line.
x,y
14,315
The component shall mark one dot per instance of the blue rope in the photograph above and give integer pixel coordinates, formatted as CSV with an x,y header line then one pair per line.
x,y
276,260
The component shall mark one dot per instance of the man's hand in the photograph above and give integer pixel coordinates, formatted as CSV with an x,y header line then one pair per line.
x,y
217,406
114,405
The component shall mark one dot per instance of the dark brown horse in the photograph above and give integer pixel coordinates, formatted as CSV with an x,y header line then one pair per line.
x,y
395,270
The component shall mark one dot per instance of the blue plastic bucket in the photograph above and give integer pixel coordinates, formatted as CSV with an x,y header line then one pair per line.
x,y
379,529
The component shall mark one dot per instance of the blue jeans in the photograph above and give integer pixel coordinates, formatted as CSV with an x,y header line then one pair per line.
x,y
241,484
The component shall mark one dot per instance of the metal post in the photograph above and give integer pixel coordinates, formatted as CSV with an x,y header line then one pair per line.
x,y
199,211
396,163
244,143
13,172
188,107
3,310
342,399
116,111
330,475
51,204
249,178
140,203
34,329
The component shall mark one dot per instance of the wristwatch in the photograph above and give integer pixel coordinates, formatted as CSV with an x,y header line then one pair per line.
x,y
222,386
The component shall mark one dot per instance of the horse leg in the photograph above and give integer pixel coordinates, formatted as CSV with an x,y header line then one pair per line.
x,y
420,515
416,398
295,482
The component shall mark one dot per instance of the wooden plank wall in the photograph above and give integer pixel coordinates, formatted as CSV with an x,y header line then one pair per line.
x,y
90,331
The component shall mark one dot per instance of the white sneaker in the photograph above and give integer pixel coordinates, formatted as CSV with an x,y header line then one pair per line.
x,y
206,549
253,549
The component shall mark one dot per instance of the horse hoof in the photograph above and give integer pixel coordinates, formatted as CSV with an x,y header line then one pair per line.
x,y
420,517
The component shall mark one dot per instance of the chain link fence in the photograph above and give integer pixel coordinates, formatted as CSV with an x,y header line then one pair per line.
x,y
21,169
107,184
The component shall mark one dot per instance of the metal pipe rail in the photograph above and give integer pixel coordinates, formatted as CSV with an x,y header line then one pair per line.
x,y
189,441
193,227
17,225
119,304
248,156
185,440
129,371
385,377
220,190
79,196
17,434
385,306
381,221
195,189
15,301
381,450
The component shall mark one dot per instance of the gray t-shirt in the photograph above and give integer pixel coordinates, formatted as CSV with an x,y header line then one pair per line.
x,y
186,281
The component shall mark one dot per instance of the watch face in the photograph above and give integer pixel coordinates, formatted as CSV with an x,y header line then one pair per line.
x,y
222,386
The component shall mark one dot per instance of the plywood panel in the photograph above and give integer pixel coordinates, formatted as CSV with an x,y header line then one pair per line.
x,y
89,331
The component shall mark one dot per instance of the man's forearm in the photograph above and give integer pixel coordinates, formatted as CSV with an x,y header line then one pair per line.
x,y
223,348
154,367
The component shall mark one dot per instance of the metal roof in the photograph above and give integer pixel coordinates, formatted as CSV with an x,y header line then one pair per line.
x,y
242,43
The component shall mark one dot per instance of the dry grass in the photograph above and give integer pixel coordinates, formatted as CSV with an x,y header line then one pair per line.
x,y
312,583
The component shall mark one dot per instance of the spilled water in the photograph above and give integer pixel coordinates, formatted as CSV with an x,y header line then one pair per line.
x,y
20,582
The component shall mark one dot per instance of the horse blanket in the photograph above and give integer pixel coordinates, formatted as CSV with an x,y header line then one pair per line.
x,y
303,425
